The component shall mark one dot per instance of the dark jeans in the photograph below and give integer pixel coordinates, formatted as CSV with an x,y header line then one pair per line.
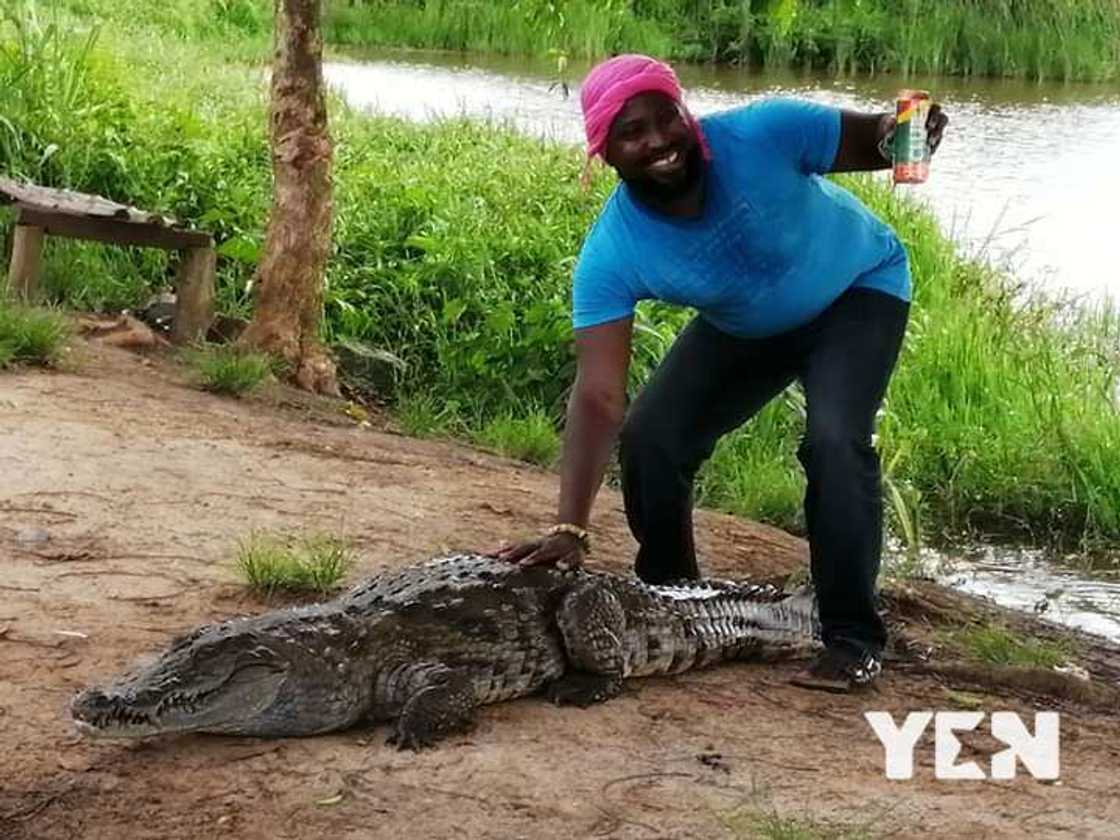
x,y
711,382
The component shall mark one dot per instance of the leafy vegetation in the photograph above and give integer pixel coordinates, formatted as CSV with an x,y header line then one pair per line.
x,y
966,699
996,645
227,369
30,335
1003,415
1036,39
427,415
531,438
768,824
271,562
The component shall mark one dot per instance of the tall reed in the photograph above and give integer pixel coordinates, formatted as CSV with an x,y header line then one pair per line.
x,y
58,119
1035,39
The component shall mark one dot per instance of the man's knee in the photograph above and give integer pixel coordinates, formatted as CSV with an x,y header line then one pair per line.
x,y
832,444
641,435
655,443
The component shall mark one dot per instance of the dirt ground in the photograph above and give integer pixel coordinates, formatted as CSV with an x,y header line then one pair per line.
x,y
123,494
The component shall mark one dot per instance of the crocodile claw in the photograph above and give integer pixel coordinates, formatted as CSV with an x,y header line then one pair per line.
x,y
405,739
583,690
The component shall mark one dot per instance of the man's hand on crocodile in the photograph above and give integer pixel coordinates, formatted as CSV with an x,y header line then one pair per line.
x,y
561,549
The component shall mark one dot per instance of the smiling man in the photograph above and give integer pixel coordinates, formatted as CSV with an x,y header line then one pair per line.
x,y
793,279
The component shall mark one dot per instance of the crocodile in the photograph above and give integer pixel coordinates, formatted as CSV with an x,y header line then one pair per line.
x,y
421,648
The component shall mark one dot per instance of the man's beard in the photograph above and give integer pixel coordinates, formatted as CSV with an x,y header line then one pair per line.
x,y
661,192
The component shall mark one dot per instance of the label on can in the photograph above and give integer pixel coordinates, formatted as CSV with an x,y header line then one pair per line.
x,y
910,150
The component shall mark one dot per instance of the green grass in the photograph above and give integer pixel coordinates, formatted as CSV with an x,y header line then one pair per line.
x,y
1001,419
30,335
758,824
270,562
228,369
758,818
996,645
966,700
756,467
1035,39
426,416
101,278
532,437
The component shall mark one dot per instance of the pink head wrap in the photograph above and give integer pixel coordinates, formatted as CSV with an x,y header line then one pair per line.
x,y
611,83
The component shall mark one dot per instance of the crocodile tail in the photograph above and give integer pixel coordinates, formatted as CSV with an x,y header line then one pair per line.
x,y
702,623
744,622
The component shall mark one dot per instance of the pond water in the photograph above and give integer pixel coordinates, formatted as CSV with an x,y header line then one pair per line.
x,y
1026,580
1028,177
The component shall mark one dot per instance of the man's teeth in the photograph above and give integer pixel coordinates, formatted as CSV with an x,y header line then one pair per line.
x,y
667,160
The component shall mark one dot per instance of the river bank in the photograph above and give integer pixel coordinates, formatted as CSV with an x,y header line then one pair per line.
x,y
130,540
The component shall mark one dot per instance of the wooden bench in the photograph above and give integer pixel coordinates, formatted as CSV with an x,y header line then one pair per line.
x,y
42,211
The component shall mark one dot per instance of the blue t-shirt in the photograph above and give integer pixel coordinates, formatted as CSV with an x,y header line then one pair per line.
x,y
773,247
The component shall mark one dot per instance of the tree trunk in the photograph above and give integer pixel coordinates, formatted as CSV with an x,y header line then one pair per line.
x,y
289,288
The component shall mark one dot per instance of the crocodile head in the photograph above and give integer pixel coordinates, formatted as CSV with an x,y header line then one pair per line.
x,y
244,677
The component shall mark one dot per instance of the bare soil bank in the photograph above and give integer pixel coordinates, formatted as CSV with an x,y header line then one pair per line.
x,y
122,495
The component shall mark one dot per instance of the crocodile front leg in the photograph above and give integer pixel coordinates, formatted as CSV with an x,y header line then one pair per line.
x,y
435,701
592,624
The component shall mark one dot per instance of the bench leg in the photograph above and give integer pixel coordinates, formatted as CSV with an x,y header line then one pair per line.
x,y
194,295
23,272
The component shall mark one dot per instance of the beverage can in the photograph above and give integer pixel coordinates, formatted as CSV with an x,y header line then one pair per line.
x,y
910,151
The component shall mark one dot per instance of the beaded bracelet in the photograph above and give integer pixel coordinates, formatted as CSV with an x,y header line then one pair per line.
x,y
576,531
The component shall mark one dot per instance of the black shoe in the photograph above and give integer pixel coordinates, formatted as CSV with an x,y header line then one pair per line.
x,y
840,669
